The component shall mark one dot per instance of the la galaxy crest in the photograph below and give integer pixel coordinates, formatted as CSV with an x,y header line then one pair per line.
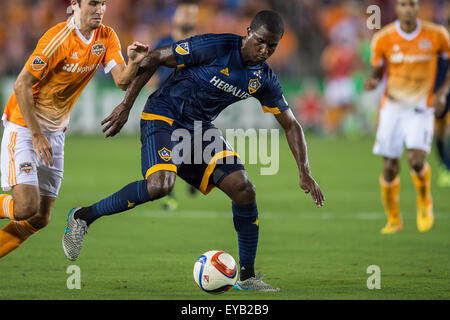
x,y
253,85
165,154
98,49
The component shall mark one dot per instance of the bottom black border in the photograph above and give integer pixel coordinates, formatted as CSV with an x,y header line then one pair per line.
x,y
226,309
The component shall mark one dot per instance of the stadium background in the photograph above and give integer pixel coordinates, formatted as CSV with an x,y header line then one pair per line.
x,y
324,40
149,253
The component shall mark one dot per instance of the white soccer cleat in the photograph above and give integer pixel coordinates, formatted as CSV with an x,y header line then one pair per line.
x,y
255,284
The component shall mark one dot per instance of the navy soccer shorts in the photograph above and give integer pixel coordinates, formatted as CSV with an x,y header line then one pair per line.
x,y
203,163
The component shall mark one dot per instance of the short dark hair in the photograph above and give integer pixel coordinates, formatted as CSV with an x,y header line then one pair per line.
x,y
271,20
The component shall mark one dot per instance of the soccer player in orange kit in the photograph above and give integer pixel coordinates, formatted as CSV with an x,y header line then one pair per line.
x,y
37,113
408,49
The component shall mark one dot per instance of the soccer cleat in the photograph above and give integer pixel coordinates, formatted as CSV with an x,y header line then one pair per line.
x,y
255,284
425,216
73,236
391,228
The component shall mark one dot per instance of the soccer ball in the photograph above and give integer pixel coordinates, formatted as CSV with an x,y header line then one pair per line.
x,y
215,271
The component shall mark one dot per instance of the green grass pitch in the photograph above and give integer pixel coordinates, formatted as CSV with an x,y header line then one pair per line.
x,y
310,253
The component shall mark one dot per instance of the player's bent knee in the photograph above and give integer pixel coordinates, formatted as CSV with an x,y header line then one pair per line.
x,y
40,220
160,184
245,193
391,169
24,210
416,161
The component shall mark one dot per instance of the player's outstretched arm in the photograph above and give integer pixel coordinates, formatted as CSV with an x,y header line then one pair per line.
x,y
297,143
119,116
123,74
24,94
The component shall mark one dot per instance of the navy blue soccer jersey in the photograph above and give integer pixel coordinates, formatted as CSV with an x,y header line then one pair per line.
x,y
210,76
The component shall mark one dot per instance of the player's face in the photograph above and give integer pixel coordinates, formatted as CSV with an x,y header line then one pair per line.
x,y
407,10
186,17
91,12
260,45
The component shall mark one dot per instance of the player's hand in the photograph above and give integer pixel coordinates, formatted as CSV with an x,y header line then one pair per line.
x,y
309,185
43,149
371,83
116,120
137,51
439,101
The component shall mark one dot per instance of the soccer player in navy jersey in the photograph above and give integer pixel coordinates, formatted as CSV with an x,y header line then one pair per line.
x,y
213,71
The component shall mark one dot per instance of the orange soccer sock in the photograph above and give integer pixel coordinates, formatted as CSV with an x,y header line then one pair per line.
x,y
6,206
422,183
390,198
14,234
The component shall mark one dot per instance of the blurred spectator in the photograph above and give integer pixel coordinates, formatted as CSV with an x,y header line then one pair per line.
x,y
308,106
340,59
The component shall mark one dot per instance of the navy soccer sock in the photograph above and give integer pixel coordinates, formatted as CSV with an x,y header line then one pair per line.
x,y
245,218
126,198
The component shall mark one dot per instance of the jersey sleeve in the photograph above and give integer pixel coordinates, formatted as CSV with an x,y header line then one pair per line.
x,y
271,96
198,49
113,55
48,52
444,40
376,51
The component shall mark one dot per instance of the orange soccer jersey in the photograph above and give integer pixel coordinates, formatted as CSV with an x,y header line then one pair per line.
x,y
64,62
411,60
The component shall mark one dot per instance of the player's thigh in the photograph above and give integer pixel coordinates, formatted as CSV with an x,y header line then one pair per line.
x,y
389,137
157,163
19,170
160,183
26,201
